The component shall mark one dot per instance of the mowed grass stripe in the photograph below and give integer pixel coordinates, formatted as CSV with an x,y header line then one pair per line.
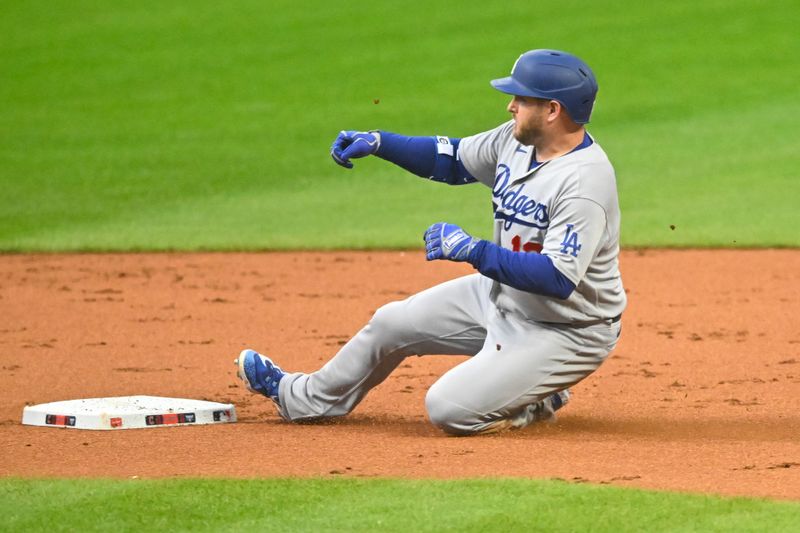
x,y
206,125
372,505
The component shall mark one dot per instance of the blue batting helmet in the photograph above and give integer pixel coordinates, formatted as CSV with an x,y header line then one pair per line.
x,y
553,75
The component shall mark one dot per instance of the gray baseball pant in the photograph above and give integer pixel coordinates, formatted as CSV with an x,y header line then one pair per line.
x,y
515,362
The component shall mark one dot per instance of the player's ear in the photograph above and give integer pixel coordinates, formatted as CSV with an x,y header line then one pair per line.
x,y
554,110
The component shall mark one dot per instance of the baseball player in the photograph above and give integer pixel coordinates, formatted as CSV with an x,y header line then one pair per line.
x,y
543,310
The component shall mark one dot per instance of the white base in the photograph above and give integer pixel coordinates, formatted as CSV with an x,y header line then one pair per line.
x,y
128,412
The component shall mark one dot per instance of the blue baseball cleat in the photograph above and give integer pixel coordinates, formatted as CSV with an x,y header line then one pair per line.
x,y
259,374
541,411
546,409
559,399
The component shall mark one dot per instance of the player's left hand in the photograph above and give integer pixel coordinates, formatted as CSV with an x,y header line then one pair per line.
x,y
354,144
448,241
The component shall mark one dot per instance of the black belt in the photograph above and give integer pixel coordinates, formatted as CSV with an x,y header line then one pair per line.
x,y
585,324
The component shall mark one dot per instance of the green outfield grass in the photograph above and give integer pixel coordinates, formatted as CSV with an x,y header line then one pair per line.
x,y
206,125
373,505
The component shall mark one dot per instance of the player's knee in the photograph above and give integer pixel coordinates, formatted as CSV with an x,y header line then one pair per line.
x,y
449,416
387,319
384,316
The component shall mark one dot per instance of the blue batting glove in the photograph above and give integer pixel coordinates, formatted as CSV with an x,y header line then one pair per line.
x,y
448,241
354,144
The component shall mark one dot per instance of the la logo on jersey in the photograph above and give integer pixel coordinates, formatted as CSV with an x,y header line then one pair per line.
x,y
570,243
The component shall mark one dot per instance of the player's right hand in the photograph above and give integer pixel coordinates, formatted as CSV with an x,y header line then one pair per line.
x,y
354,144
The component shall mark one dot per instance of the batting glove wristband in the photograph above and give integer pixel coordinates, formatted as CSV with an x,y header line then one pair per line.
x,y
354,144
448,241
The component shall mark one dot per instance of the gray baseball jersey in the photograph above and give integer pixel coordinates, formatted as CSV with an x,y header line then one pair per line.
x,y
566,208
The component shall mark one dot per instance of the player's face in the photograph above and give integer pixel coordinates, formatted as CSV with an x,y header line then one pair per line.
x,y
530,118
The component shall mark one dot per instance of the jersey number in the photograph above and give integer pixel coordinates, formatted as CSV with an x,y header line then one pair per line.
x,y
517,246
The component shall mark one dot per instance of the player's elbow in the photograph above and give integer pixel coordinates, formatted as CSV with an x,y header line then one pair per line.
x,y
563,293
561,288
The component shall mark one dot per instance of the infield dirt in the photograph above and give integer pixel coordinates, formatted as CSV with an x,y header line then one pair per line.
x,y
702,393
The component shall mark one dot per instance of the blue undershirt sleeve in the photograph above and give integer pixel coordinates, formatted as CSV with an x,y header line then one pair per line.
x,y
422,156
530,272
